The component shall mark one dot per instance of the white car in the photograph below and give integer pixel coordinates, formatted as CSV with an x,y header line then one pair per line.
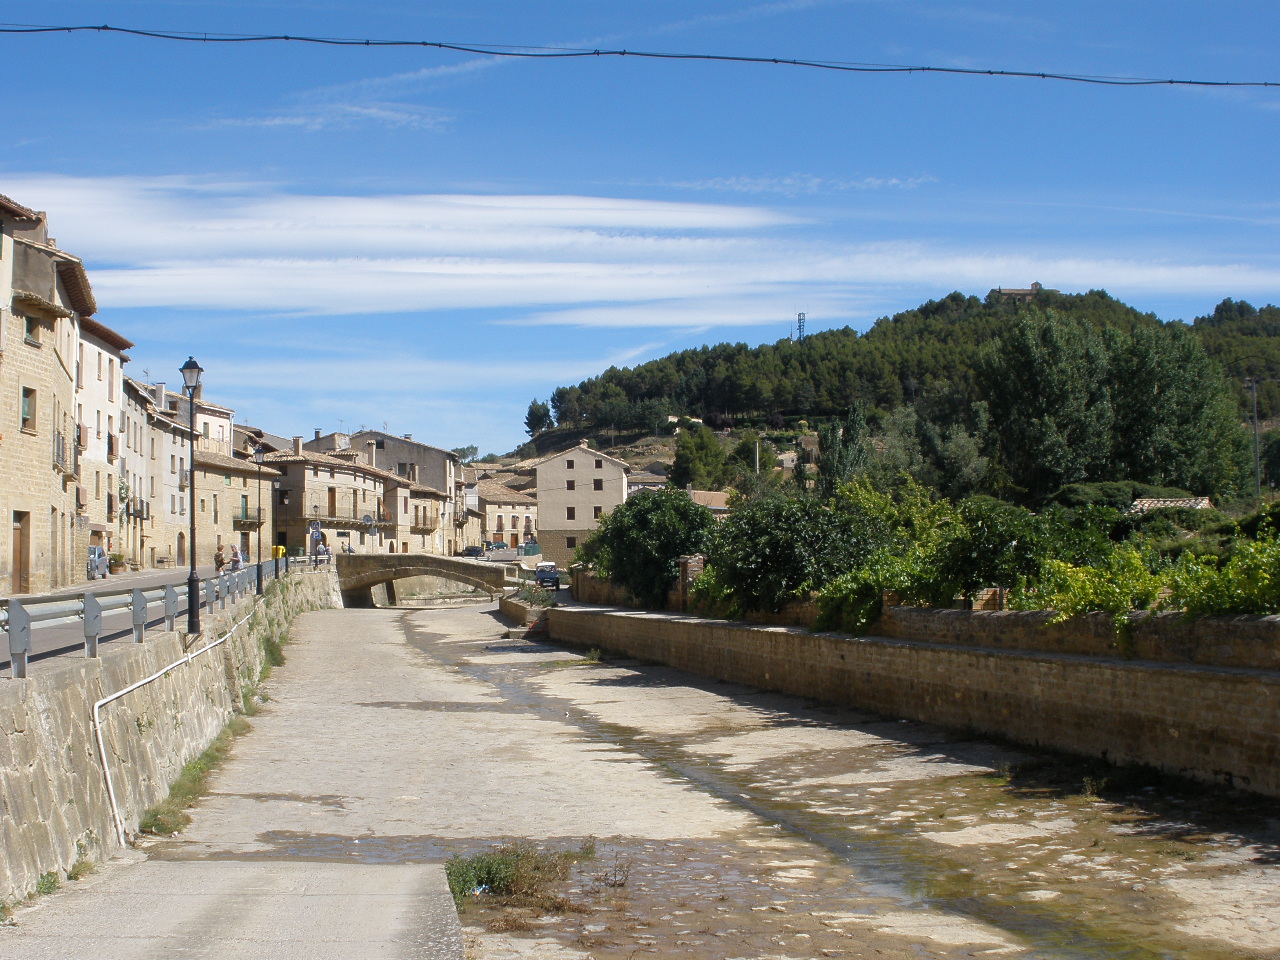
x,y
98,564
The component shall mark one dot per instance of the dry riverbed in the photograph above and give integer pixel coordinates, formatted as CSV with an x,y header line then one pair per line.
x,y
872,837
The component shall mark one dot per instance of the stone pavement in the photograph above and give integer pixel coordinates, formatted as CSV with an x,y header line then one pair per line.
x,y
728,823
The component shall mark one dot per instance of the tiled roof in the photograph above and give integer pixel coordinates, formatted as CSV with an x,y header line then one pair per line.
x,y
210,458
1143,504
493,492
104,333
581,448
17,210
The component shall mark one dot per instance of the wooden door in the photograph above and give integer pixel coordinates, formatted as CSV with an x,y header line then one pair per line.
x,y
21,568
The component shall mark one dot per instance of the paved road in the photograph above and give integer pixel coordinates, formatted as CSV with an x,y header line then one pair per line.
x,y
727,823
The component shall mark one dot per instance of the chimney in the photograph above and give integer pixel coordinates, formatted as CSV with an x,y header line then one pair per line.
x,y
160,396
370,445
408,436
317,433
297,446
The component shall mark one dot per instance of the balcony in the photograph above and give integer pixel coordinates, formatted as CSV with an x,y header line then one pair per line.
x,y
247,518
111,447
111,506
65,456
82,436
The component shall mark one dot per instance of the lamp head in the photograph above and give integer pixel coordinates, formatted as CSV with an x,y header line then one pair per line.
x,y
259,454
191,374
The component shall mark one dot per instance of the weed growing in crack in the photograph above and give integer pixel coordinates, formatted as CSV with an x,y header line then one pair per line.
x,y
48,883
170,815
81,869
616,874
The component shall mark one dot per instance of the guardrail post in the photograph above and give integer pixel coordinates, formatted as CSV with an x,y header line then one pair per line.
x,y
19,638
139,616
275,562
170,607
210,594
92,625
224,587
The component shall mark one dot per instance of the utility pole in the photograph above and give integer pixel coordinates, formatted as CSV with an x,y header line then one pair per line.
x,y
1257,463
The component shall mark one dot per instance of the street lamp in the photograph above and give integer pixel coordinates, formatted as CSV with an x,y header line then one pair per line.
x,y
259,454
191,383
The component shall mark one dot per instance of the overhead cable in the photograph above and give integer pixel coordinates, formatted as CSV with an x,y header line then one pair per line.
x,y
567,53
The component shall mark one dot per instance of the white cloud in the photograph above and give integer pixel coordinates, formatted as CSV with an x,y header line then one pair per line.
x,y
343,116
553,260
798,184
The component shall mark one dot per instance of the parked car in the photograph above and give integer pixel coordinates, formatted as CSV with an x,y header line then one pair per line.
x,y
99,564
475,553
546,575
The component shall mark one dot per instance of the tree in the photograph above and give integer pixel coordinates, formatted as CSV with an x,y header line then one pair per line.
x,y
1046,385
639,544
538,418
467,453
842,452
699,459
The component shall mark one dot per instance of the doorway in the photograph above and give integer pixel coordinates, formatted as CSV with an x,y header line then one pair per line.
x,y
21,569
182,549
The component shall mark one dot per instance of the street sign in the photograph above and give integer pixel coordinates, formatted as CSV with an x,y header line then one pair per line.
x,y
315,527
367,520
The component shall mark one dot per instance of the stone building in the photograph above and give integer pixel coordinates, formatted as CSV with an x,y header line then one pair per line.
x,y
510,517
576,487
339,493
234,506
408,460
44,294
102,433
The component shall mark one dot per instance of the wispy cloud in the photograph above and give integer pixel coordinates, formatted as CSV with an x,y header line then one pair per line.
x,y
342,116
798,184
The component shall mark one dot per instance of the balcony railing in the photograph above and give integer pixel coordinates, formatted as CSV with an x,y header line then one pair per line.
x,y
65,456
247,517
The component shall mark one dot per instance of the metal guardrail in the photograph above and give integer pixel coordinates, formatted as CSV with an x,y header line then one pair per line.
x,y
18,617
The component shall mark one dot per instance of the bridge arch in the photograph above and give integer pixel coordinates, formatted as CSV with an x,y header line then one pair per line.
x,y
359,573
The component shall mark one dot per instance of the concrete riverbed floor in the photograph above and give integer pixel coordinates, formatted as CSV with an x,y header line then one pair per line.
x,y
727,823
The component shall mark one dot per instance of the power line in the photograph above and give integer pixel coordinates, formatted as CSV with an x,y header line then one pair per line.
x,y
569,53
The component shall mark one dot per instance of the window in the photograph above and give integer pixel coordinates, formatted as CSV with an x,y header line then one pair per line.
x,y
570,485
598,511
153,448
151,486
599,464
204,429
31,330
215,508
29,409
202,504
226,480
98,422
568,464
570,513
315,471
97,485
597,483
80,366
111,379
111,424
570,542
173,503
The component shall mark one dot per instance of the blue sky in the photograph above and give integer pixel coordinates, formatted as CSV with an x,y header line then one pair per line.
x,y
429,240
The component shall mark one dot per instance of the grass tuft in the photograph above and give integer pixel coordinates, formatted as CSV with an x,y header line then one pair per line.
x,y
170,815
516,874
81,869
48,883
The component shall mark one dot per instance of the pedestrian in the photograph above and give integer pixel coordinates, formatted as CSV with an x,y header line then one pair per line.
x,y
237,561
219,561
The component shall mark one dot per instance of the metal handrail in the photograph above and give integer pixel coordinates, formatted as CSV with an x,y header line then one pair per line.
x,y
18,615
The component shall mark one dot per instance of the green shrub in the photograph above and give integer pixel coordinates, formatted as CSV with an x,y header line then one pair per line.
x,y
1125,582
1248,582
535,595
639,544
48,883
515,874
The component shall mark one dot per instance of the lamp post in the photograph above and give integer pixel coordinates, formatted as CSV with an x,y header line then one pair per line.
x,y
259,454
191,383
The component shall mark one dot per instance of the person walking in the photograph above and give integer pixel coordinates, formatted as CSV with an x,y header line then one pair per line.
x,y
219,561
237,561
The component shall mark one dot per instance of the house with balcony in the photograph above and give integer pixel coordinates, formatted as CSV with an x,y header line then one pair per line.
x,y
339,495
234,505
510,517
102,434
44,296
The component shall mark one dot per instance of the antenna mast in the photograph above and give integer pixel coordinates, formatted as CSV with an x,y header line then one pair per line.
x,y
799,326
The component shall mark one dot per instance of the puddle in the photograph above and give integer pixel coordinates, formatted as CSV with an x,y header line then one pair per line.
x,y
901,830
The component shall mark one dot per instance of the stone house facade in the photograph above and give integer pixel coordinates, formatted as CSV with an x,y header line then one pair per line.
x,y
510,517
44,293
102,433
334,491
576,487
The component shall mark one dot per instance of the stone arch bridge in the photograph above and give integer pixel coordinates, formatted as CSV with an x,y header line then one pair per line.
x,y
359,573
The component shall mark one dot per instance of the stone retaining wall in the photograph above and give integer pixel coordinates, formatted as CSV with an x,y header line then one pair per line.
x,y
53,799
1212,723
522,613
